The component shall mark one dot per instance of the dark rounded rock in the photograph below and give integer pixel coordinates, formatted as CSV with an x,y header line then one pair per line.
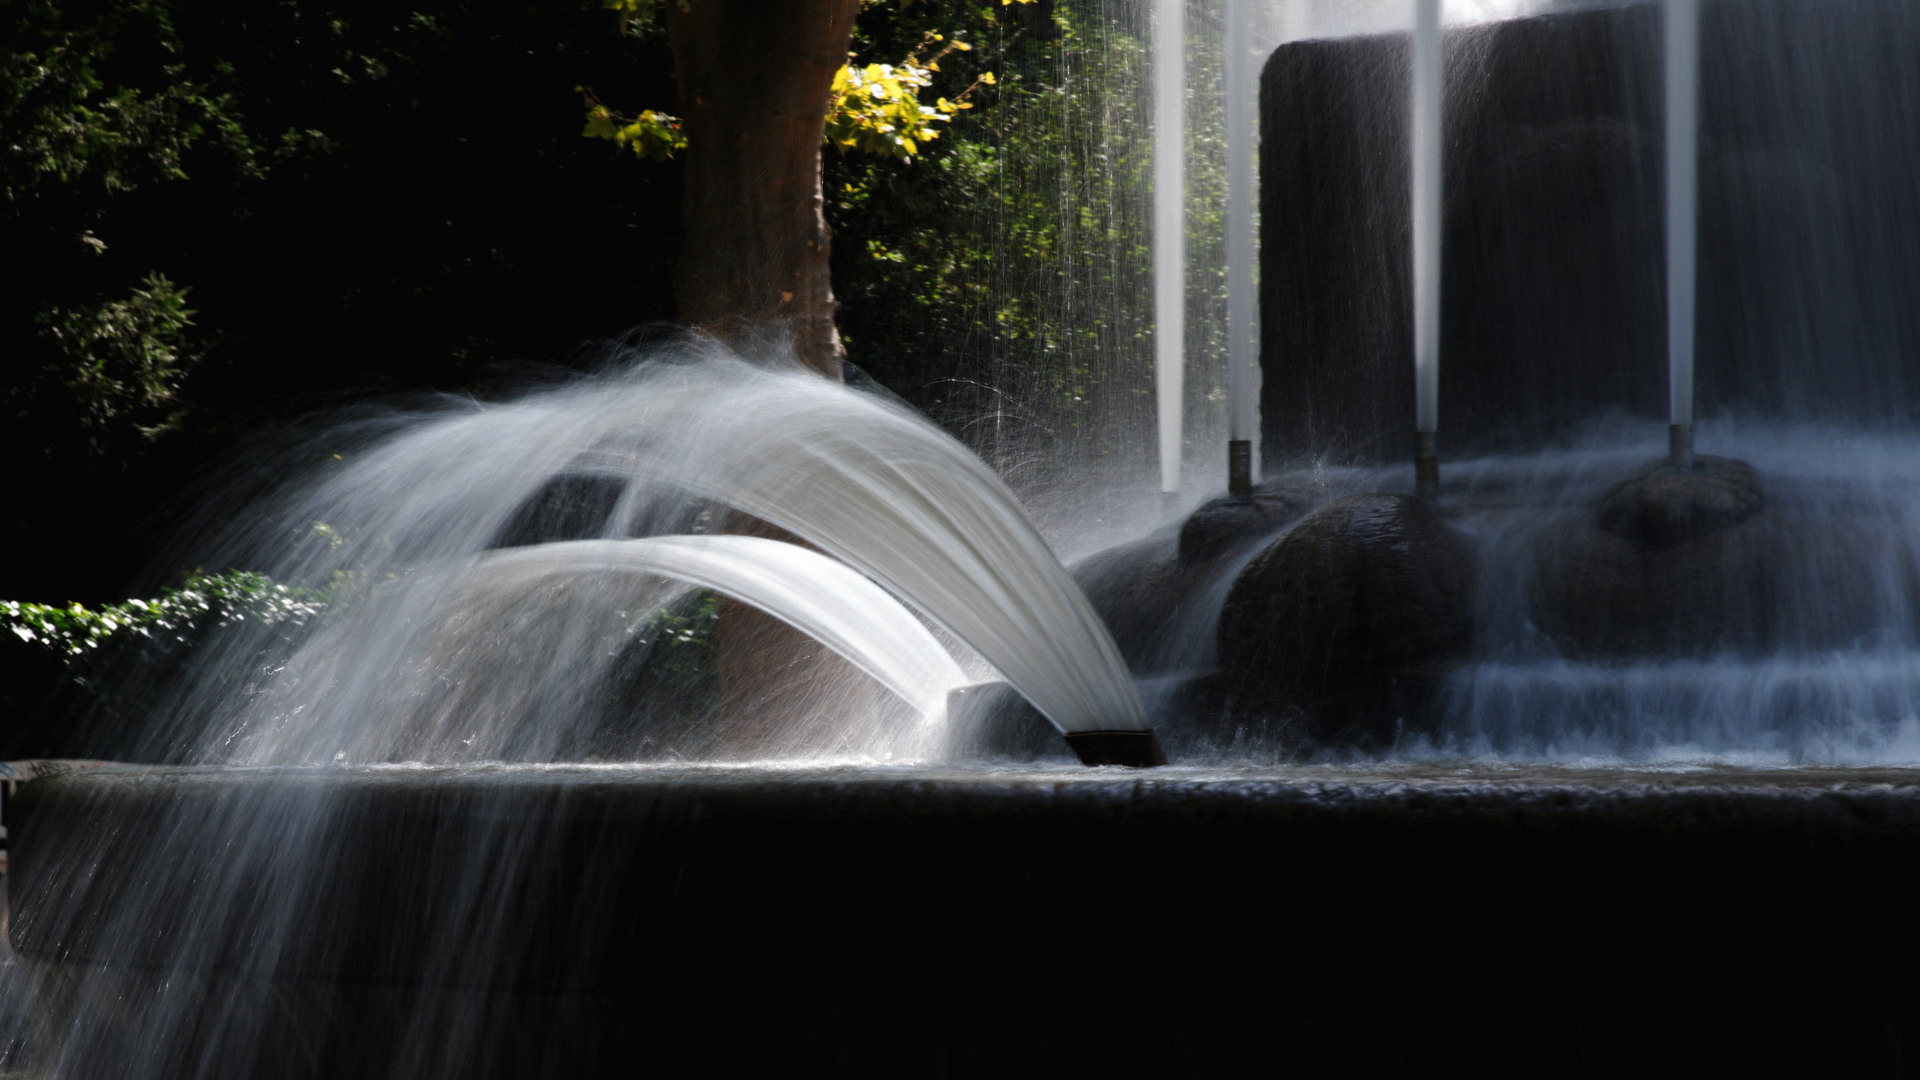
x,y
1662,506
1158,594
1366,588
1139,589
1225,523
1809,573
1601,596
1671,563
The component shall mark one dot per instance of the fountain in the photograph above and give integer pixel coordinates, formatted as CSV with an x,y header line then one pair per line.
x,y
1426,95
1681,38
1566,703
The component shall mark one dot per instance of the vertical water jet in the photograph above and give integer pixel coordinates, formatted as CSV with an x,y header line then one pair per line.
x,y
1682,41
1426,91
1169,229
1241,394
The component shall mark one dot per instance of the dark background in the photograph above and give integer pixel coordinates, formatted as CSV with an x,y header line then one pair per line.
x,y
422,215
404,206
438,219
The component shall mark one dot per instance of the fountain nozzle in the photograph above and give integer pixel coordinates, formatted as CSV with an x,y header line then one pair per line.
x,y
1680,446
1426,466
1239,468
1136,749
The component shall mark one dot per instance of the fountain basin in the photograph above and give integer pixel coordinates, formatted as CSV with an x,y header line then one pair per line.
x,y
575,920
693,845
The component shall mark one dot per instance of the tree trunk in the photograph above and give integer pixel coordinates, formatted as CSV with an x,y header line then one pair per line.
x,y
754,78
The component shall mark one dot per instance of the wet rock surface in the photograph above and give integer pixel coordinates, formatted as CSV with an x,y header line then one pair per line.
x,y
1662,506
1228,522
1358,609
1157,594
1674,565
1369,582
1140,590
1603,597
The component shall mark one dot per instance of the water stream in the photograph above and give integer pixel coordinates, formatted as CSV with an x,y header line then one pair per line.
x,y
493,564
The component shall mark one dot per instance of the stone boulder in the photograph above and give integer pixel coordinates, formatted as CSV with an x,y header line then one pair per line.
x,y
1366,596
1140,590
1693,564
1669,564
1662,506
1226,523
1158,594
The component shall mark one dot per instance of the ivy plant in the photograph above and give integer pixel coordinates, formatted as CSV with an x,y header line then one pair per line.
x,y
74,630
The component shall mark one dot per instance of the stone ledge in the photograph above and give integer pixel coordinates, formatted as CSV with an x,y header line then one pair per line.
x,y
601,916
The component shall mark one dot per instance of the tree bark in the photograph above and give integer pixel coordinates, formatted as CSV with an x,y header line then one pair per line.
x,y
754,78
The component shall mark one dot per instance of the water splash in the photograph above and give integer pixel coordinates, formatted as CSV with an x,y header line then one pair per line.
x,y
448,648
906,505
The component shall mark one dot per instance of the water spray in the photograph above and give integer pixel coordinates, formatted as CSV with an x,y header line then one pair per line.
x,y
1240,305
1427,88
1683,183
1169,230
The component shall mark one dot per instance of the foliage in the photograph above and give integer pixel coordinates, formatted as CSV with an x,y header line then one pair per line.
x,y
174,617
680,643
653,136
1000,282
125,359
873,108
63,121
410,218
634,14
994,280
877,109
101,100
